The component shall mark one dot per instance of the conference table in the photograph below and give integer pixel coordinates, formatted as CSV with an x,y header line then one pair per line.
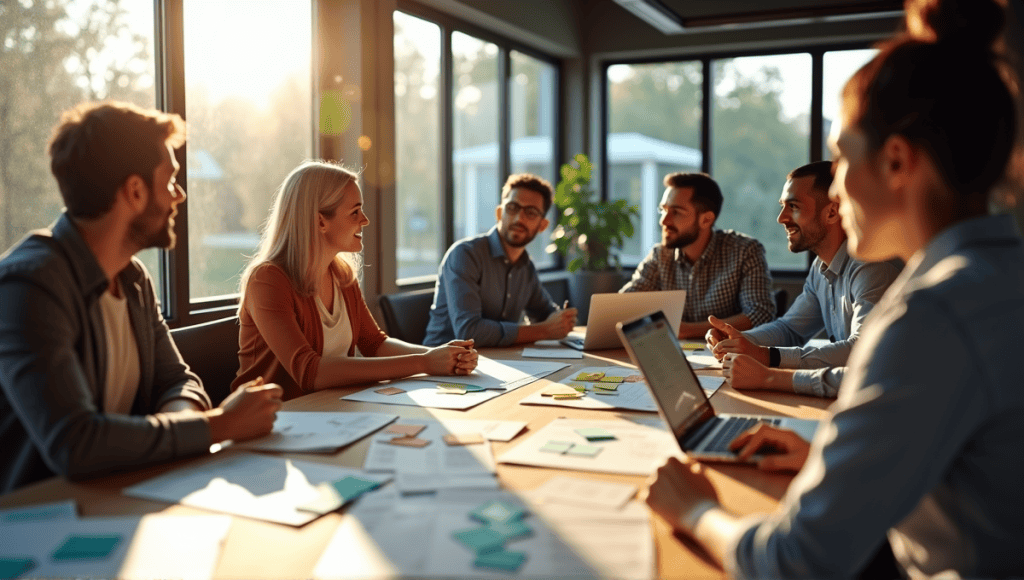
x,y
258,549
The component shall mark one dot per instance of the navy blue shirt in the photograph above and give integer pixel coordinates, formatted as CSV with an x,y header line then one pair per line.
x,y
481,294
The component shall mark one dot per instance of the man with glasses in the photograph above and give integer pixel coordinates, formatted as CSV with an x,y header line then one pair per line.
x,y
725,273
486,283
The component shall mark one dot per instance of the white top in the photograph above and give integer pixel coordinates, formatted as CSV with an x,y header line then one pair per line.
x,y
122,355
337,328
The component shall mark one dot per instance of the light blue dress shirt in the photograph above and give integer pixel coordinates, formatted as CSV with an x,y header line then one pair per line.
x,y
837,297
926,439
481,294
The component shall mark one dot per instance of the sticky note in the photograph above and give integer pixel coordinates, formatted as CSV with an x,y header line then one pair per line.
x,y
463,438
497,512
558,390
507,561
589,377
446,389
86,547
578,387
606,387
407,430
511,530
693,345
559,396
14,567
605,393
584,450
463,386
556,447
595,434
610,380
480,540
633,379
409,442
352,487
389,391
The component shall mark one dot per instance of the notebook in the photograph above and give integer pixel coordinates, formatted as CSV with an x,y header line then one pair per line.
x,y
608,309
700,432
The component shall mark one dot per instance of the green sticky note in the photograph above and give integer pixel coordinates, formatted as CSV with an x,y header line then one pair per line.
x,y
511,530
86,547
595,434
579,387
497,512
14,567
352,487
556,447
480,540
605,387
507,561
608,379
584,450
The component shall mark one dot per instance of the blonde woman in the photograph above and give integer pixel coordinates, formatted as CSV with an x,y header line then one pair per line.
x,y
302,313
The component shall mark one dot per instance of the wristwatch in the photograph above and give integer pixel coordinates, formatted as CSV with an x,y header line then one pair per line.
x,y
774,357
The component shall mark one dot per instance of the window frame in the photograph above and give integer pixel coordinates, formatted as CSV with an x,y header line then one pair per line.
x,y
815,142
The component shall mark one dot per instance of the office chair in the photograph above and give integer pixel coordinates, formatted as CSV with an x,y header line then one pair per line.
x,y
211,351
781,298
406,314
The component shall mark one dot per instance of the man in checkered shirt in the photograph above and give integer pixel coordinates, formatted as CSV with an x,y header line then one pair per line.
x,y
725,273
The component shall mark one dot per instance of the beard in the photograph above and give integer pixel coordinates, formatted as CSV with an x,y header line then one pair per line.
x,y
508,234
681,239
152,229
806,239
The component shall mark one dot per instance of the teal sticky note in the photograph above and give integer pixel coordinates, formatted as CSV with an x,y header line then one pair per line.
x,y
480,540
507,561
14,567
86,547
556,447
595,434
511,530
352,487
584,450
497,512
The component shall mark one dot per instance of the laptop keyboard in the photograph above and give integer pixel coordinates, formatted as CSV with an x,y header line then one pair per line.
x,y
732,428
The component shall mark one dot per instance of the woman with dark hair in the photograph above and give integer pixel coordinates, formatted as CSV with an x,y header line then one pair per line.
x,y
923,444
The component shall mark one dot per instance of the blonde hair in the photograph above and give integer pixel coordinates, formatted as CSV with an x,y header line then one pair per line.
x,y
290,239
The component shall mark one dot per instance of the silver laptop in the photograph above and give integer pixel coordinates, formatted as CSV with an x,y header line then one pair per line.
x,y
702,434
608,309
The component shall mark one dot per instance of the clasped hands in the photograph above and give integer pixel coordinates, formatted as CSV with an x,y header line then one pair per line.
x,y
456,357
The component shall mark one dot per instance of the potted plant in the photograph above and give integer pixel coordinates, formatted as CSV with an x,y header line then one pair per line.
x,y
589,234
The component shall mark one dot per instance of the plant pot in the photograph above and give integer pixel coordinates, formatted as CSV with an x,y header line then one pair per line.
x,y
583,284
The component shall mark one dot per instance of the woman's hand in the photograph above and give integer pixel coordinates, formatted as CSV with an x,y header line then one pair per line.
x,y
454,358
790,450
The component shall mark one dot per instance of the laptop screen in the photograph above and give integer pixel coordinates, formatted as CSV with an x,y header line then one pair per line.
x,y
655,349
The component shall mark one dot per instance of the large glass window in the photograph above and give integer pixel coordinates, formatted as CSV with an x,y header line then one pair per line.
x,y
532,106
760,130
418,166
654,128
248,104
474,134
839,66
54,55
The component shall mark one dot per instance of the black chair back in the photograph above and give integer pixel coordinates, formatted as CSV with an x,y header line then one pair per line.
x,y
211,351
406,314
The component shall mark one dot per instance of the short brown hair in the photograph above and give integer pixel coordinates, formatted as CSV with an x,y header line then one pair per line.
x,y
707,196
97,146
532,182
821,171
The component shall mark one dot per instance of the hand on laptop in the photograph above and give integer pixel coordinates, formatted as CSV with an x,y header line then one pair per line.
x,y
788,451
560,323
723,338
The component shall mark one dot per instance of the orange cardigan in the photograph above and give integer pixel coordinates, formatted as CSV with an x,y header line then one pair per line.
x,y
281,337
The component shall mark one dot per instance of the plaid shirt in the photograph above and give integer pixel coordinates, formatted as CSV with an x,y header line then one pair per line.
x,y
730,277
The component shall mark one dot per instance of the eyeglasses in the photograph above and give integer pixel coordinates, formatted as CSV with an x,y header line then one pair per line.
x,y
512,208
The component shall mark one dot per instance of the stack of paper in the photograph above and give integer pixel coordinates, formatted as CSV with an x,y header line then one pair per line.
x,y
326,432
606,388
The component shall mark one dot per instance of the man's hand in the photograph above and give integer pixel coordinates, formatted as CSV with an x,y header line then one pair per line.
x,y
468,360
790,450
743,372
560,323
248,412
678,490
727,339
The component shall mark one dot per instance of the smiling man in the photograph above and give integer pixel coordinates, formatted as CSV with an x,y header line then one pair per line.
x,y
725,273
838,295
486,283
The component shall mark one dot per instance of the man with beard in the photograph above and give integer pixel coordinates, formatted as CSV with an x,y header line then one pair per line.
x,y
486,283
838,295
90,380
725,273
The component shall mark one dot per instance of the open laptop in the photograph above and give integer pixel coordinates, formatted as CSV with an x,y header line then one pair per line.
x,y
702,434
608,309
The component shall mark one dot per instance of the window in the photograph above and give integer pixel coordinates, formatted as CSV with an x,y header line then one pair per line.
x,y
654,128
418,247
839,67
53,56
501,118
760,130
249,126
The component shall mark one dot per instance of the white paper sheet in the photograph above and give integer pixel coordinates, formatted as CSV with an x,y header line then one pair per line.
x,y
296,431
153,546
436,458
591,493
414,538
630,396
496,376
61,510
636,450
247,484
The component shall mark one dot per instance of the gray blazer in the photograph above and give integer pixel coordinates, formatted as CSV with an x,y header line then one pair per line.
x,y
53,366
